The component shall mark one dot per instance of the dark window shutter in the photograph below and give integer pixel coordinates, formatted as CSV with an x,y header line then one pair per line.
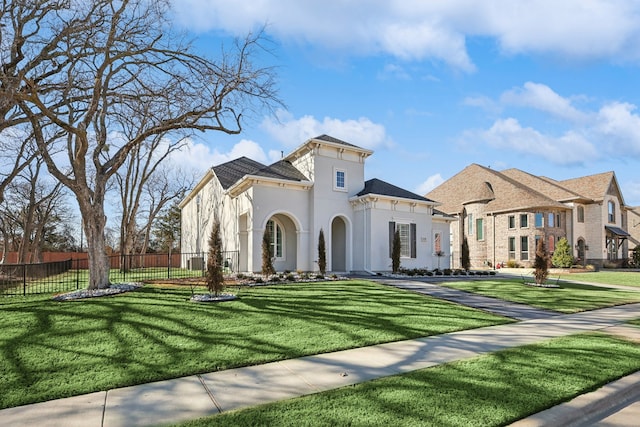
x,y
413,240
392,231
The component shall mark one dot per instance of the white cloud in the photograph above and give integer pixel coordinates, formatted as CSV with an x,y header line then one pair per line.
x,y
432,182
620,128
571,29
510,136
483,102
614,128
200,157
292,132
543,98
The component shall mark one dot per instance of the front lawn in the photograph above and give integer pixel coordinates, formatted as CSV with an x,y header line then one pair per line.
x,y
53,349
488,390
626,278
569,298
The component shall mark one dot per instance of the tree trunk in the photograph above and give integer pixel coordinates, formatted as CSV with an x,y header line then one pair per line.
x,y
94,225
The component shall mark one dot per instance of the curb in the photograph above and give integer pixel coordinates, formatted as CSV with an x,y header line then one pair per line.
x,y
588,408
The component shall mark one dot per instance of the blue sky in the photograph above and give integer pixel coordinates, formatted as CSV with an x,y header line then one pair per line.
x,y
549,87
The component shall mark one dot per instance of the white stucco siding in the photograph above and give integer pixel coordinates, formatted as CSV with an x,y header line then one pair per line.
x,y
380,216
284,202
443,227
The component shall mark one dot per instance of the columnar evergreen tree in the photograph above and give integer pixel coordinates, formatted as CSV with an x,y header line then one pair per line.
x,y
215,278
267,264
562,256
395,252
636,256
466,261
322,253
541,263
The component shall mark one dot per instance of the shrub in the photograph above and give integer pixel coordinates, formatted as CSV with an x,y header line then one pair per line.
x,y
636,256
291,277
562,256
512,263
448,271
541,263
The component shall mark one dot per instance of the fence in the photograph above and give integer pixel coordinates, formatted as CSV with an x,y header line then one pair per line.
x,y
64,276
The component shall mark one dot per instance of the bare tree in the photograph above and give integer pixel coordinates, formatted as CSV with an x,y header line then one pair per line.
x,y
102,77
146,184
34,210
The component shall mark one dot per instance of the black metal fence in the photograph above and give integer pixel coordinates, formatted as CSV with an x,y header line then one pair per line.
x,y
71,274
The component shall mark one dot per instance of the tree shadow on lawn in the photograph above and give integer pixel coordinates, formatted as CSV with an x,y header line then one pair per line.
x,y
568,298
494,389
56,349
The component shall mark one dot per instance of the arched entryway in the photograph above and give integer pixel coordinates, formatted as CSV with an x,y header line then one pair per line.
x,y
284,241
338,245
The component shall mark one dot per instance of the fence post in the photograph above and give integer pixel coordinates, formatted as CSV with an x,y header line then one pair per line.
x,y
77,273
24,280
169,265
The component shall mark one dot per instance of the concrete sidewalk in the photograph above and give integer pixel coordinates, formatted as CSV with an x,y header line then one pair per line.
x,y
173,401
497,306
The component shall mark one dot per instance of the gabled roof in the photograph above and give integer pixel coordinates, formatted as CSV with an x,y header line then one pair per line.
x,y
382,188
546,186
500,193
326,140
283,170
594,187
231,172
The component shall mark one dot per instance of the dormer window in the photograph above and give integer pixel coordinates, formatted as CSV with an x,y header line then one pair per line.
x,y
340,180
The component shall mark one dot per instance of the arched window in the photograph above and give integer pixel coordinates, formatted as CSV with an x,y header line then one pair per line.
x,y
276,235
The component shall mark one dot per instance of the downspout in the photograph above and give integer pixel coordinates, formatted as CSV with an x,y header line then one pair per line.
x,y
493,217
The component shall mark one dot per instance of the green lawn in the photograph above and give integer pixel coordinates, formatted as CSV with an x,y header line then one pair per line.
x,y
569,298
489,390
626,278
55,349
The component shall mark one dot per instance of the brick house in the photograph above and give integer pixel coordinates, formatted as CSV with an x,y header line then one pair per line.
x,y
503,214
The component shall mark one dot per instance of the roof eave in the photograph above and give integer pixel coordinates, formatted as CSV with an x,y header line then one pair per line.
x,y
249,180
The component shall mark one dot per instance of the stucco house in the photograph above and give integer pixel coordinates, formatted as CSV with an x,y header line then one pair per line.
x,y
320,185
502,214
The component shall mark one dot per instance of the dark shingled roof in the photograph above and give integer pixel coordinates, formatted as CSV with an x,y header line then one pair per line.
x,y
231,172
377,186
283,170
334,140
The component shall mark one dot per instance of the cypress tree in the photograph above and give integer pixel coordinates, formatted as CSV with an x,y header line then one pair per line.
x,y
322,253
215,278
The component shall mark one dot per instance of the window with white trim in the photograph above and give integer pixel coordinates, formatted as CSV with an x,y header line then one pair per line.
x,y
340,180
405,239
612,211
524,248
276,236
